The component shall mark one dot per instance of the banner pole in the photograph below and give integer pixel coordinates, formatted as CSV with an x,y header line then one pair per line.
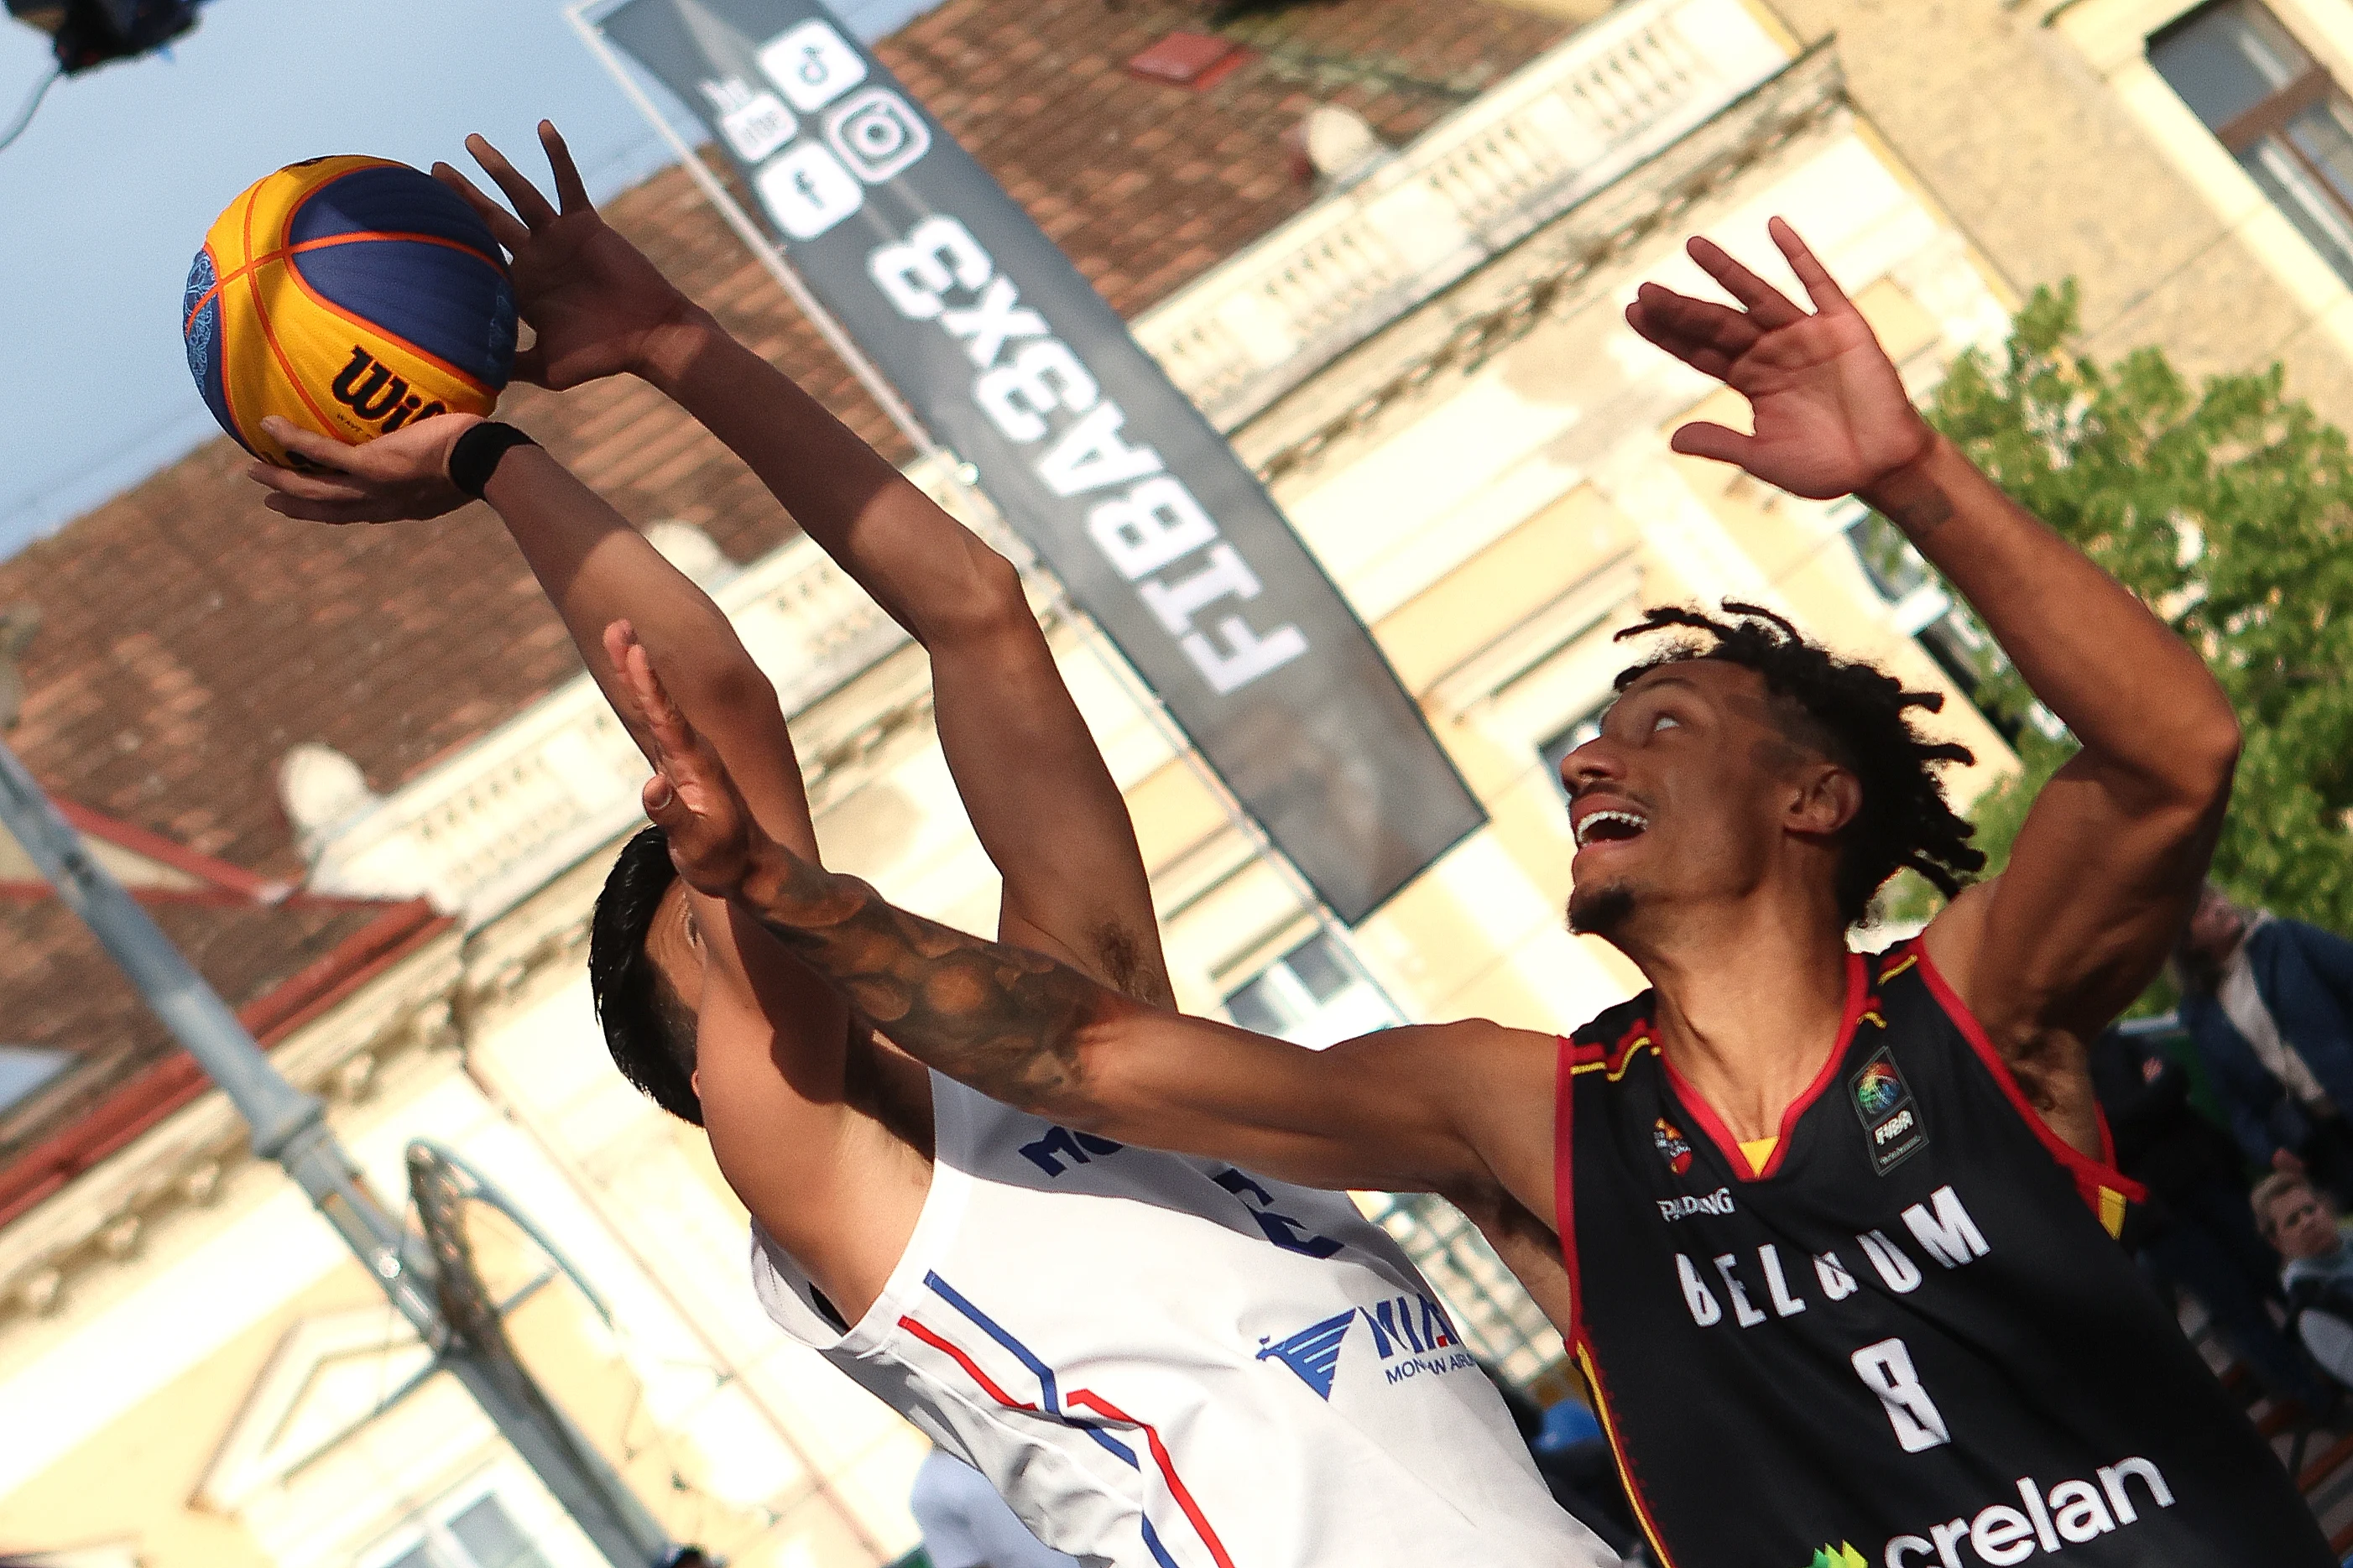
x,y
982,518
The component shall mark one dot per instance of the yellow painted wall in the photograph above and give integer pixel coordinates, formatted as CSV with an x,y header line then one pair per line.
x,y
140,1476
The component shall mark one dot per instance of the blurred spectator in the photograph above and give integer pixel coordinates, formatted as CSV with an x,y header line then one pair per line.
x,y
2269,1003
1576,1465
2196,1234
2297,1219
967,1525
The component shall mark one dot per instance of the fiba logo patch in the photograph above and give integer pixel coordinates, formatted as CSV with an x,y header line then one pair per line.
x,y
1891,1127
1673,1148
1877,1089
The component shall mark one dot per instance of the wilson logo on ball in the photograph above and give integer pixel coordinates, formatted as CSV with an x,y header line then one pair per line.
x,y
368,388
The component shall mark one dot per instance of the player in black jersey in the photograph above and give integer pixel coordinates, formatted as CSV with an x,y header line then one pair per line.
x,y
1830,1235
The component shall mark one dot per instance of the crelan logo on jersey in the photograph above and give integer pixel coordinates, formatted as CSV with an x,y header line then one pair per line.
x,y
1411,1335
1673,1148
1839,1556
2048,1518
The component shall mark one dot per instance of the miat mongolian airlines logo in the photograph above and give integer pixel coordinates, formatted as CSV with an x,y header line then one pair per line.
x,y
1673,1147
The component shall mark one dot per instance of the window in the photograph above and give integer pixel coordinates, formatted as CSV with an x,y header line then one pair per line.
x,y
2275,108
1311,996
1944,627
482,1534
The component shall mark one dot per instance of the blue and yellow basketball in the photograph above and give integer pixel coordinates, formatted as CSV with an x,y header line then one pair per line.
x,y
350,295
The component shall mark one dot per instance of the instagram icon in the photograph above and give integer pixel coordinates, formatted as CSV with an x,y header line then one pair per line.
x,y
876,133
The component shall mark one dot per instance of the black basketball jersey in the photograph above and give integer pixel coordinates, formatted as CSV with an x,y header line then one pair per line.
x,y
1910,1341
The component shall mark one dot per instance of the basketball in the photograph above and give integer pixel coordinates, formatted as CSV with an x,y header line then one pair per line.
x,y
350,295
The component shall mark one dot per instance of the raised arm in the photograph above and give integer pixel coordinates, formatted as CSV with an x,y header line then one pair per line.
x,y
1075,881
1385,1111
789,1109
2112,850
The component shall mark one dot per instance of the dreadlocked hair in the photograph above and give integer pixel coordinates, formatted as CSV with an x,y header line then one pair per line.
x,y
1858,716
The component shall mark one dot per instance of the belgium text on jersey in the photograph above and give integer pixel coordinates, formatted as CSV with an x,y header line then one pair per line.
x,y
1942,1228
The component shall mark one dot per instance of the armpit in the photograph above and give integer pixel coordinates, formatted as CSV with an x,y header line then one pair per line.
x,y
1127,967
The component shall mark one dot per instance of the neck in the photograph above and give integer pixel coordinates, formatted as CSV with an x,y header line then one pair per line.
x,y
1750,998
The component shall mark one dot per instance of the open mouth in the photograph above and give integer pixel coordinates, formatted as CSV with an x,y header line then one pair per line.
x,y
1610,827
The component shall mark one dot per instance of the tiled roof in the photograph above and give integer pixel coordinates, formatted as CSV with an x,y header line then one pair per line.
x,y
268,962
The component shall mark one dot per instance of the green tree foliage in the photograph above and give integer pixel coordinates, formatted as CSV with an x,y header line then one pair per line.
x,y
2229,510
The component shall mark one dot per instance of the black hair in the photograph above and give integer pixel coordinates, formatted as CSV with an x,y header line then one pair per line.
x,y
648,1027
1857,715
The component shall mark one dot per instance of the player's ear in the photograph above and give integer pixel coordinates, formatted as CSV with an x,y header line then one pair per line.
x,y
1824,798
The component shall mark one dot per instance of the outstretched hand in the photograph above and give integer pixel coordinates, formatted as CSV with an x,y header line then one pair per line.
x,y
594,301
1832,414
691,796
397,477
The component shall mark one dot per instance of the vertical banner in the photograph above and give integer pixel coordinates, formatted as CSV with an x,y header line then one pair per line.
x,y
1011,359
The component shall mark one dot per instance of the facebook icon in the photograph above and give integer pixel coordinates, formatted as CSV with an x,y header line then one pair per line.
x,y
808,191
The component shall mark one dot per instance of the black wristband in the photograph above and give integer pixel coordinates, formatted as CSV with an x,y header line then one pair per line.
x,y
475,455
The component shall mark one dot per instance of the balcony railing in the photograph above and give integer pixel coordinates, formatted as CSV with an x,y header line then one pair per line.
x,y
1566,125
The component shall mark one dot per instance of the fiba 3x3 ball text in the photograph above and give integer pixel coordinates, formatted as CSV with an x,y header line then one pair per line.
x,y
351,296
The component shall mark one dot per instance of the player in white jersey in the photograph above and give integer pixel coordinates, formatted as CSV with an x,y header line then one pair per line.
x,y
1157,1359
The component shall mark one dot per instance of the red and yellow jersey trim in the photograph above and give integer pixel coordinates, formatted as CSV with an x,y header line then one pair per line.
x,y
1602,1057
2107,1192
1593,1385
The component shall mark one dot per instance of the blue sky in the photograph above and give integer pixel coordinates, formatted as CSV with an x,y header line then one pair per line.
x,y
107,194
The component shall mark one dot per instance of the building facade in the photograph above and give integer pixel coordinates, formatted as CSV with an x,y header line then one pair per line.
x,y
1418,344
2190,163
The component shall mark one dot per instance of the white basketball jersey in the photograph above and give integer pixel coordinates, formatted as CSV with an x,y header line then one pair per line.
x,y
1165,1361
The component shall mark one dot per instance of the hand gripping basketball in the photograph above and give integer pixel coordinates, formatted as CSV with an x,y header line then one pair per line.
x,y
397,477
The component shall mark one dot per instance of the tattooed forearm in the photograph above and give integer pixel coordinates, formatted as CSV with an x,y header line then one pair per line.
x,y
1006,1021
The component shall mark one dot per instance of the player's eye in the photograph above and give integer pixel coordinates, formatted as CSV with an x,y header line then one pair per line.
x,y
1665,722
